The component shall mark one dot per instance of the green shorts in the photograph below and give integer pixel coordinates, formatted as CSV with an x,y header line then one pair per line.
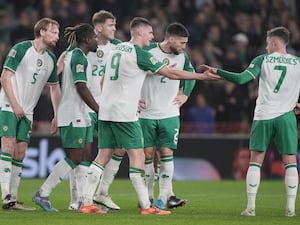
x,y
283,130
94,127
73,137
126,135
161,133
12,127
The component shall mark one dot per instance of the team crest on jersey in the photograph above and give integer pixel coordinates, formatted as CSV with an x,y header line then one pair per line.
x,y
12,53
80,140
39,63
100,53
79,68
166,61
153,60
5,128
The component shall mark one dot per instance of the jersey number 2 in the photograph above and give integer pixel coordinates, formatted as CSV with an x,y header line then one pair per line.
x,y
282,75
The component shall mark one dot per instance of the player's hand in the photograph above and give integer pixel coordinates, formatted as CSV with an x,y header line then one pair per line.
x,y
19,112
141,106
297,109
208,75
54,127
210,68
180,99
173,65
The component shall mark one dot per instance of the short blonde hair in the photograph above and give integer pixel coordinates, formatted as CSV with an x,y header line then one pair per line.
x,y
101,16
280,32
43,24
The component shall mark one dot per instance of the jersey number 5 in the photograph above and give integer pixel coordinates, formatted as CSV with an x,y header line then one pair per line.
x,y
282,75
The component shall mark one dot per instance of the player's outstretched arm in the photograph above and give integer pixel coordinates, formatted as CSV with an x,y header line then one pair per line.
x,y
175,74
238,78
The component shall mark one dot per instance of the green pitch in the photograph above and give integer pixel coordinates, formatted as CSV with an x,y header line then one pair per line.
x,y
209,203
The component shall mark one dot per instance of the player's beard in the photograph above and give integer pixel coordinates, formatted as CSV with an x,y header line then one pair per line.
x,y
174,50
51,44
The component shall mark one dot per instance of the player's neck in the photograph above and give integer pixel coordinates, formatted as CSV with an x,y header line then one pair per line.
x,y
38,46
102,40
137,41
164,47
101,43
84,49
281,51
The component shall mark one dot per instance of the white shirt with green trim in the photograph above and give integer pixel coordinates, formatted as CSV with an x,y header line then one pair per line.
x,y
159,92
98,60
279,84
124,76
72,109
31,73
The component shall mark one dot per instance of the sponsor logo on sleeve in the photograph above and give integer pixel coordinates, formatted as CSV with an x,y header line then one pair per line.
x,y
12,53
153,60
79,68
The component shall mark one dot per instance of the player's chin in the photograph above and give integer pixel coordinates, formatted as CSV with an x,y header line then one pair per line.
x,y
112,36
52,44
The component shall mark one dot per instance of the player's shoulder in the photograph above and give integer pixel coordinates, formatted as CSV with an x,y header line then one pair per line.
x,y
70,48
19,49
51,54
151,46
77,52
23,44
141,51
115,41
260,58
294,56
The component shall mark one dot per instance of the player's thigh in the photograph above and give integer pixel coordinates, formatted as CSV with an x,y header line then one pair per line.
x,y
149,131
24,130
168,130
129,135
12,127
286,136
106,136
93,128
73,137
261,134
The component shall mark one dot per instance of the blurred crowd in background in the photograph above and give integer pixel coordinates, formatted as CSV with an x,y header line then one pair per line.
x,y
223,33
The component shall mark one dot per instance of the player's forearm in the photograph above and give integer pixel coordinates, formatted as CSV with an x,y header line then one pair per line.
x,y
188,87
238,78
55,94
7,87
184,75
87,97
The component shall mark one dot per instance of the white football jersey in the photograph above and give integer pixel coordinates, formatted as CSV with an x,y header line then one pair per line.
x,y
72,109
31,72
125,72
159,92
279,86
98,60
